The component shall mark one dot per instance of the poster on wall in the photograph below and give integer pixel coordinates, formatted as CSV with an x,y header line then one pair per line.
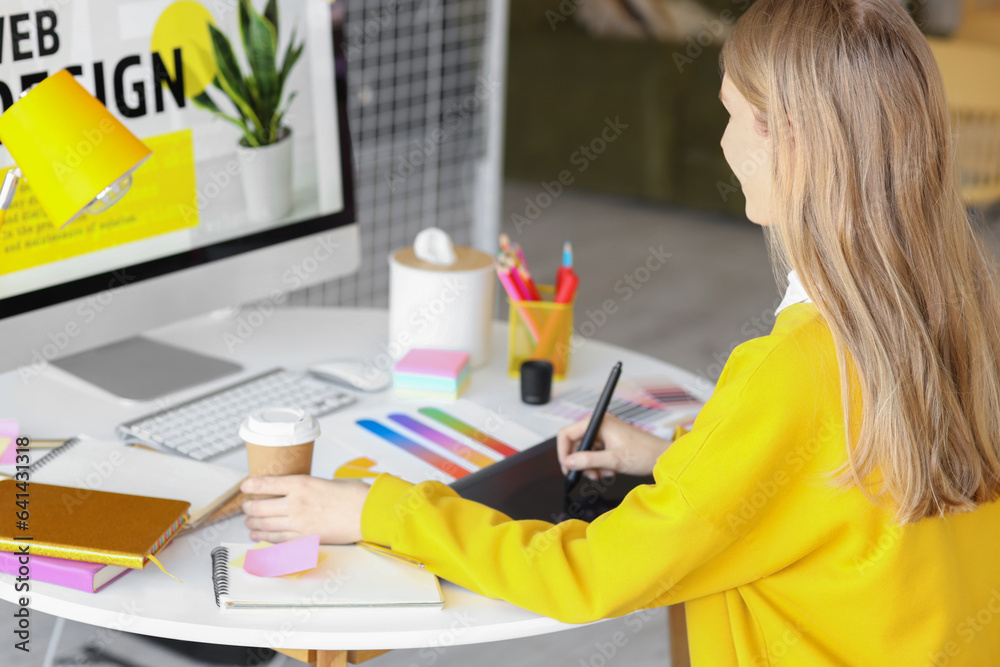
x,y
236,99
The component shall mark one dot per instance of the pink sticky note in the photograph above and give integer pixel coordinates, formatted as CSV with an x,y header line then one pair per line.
x,y
439,363
8,441
285,558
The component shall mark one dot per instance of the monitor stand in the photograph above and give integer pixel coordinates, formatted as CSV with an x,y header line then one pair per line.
x,y
139,369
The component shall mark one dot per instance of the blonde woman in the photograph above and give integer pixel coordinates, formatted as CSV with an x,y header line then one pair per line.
x,y
835,502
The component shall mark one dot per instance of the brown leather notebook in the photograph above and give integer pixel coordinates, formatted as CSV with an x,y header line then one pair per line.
x,y
86,525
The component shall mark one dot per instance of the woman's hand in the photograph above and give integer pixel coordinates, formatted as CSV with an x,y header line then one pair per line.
x,y
619,447
306,506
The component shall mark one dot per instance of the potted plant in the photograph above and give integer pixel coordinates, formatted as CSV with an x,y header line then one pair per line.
x,y
265,149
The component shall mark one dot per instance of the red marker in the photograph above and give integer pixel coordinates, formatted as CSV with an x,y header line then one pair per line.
x,y
567,265
567,288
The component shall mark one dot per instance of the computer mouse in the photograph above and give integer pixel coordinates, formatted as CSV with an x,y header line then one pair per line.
x,y
353,374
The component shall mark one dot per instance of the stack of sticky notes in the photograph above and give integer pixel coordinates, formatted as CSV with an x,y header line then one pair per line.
x,y
424,373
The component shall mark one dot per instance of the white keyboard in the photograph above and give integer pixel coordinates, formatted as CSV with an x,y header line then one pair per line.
x,y
209,425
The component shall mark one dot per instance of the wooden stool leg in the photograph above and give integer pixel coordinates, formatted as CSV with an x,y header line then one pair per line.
x,y
680,655
299,654
357,657
331,658
319,658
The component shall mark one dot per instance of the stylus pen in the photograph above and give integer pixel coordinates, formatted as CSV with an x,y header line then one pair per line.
x,y
378,549
595,423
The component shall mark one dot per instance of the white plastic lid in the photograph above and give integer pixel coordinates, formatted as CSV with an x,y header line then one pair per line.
x,y
279,427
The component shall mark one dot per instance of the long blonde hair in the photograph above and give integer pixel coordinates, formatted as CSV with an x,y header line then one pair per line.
x,y
867,211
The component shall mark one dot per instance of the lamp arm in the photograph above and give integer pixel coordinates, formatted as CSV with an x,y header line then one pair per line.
x,y
7,191
8,188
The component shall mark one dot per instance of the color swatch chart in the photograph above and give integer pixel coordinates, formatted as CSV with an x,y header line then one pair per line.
x,y
654,405
445,442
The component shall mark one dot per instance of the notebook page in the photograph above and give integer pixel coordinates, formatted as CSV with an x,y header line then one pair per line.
x,y
111,466
349,576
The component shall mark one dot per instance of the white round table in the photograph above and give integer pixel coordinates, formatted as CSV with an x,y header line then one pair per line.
x,y
53,404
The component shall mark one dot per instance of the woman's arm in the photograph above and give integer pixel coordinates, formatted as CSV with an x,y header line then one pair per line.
x,y
332,508
573,571
734,500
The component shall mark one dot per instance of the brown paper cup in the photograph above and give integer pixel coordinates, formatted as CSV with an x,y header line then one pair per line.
x,y
268,461
279,442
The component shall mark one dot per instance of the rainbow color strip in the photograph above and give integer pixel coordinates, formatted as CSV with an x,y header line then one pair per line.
x,y
438,438
414,448
468,431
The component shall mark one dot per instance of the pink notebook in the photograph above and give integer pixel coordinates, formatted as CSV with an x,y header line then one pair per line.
x,y
86,577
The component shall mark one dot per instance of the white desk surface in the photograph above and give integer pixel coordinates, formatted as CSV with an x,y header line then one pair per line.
x,y
53,404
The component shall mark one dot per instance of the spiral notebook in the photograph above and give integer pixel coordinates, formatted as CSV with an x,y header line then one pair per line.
x,y
91,464
349,577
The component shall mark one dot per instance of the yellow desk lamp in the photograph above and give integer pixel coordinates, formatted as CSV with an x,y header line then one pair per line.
x,y
76,156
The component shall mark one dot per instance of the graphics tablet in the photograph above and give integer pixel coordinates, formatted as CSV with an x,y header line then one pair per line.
x,y
530,485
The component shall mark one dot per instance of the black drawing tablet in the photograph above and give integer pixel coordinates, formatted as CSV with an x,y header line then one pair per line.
x,y
530,485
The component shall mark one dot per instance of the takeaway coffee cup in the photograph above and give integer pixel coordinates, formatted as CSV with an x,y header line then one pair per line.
x,y
279,441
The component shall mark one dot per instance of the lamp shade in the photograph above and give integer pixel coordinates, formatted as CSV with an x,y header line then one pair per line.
x,y
67,145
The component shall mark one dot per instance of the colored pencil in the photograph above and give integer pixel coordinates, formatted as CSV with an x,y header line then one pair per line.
x,y
520,256
522,287
529,283
508,284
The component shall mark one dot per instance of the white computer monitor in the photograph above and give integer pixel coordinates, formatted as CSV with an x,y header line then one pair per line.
x,y
200,228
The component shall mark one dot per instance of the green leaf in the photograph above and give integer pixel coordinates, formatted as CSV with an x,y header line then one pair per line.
x,y
228,67
276,125
247,15
246,10
246,112
230,78
261,56
271,14
292,54
205,102
253,140
255,102
272,135
218,85
278,117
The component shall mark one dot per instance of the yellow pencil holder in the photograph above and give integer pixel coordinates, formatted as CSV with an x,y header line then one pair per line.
x,y
540,330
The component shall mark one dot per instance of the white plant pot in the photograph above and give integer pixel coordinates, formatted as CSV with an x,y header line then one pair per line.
x,y
267,179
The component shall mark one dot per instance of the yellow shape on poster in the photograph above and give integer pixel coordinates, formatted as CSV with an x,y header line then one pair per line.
x,y
356,468
184,25
162,199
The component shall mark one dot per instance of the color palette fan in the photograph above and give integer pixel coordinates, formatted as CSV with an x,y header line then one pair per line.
x,y
444,442
654,405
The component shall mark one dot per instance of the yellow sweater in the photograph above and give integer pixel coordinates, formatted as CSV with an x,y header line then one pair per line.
x,y
775,565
